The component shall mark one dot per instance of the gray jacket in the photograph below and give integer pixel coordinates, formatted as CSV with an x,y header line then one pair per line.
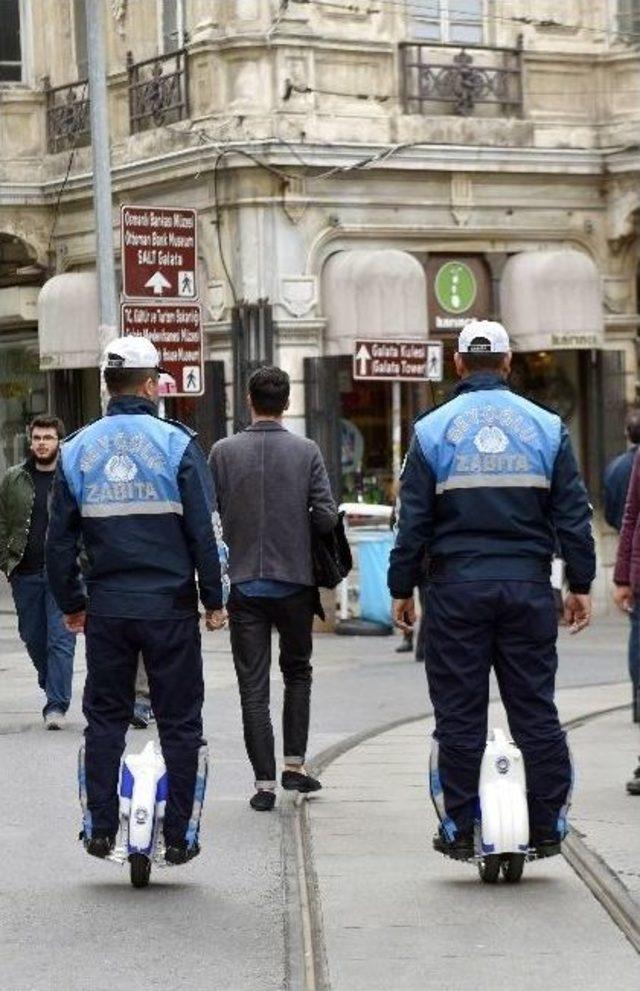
x,y
272,486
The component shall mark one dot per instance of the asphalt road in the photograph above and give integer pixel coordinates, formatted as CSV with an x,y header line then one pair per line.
x,y
67,921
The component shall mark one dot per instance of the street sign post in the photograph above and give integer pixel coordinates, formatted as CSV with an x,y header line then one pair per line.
x,y
159,252
176,330
398,361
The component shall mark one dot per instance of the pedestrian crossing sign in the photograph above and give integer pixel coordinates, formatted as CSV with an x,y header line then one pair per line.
x,y
191,378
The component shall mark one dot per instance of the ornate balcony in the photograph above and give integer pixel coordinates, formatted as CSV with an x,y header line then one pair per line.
x,y
67,110
158,90
440,79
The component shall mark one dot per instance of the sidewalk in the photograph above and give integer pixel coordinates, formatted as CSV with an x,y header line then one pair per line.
x,y
399,916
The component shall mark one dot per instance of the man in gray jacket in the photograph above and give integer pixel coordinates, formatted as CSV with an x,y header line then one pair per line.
x,y
272,489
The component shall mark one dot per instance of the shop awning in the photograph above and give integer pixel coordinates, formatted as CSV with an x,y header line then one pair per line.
x,y
373,293
68,321
552,300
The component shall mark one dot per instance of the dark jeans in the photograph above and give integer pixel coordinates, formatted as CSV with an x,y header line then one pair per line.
x,y
172,655
251,621
512,626
49,644
634,658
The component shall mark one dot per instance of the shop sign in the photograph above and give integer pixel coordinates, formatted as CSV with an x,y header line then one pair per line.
x,y
400,361
176,331
459,291
159,252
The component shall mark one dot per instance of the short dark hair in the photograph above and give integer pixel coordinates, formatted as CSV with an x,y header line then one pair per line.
x,y
269,389
482,361
46,420
125,381
633,426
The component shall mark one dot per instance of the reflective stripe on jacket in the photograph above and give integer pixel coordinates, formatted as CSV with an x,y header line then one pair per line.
x,y
139,492
489,489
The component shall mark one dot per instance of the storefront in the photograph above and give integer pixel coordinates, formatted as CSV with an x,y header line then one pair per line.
x,y
551,303
371,294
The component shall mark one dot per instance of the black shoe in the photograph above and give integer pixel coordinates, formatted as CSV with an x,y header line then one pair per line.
x,y
295,781
546,846
142,715
263,800
462,848
405,647
179,853
99,846
633,786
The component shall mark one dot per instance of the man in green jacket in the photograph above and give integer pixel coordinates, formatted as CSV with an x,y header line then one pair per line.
x,y
24,516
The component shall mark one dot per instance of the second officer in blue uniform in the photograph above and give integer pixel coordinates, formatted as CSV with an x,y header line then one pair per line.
x,y
490,487
139,494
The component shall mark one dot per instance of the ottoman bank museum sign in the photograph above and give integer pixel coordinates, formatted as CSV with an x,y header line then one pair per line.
x,y
159,275
459,291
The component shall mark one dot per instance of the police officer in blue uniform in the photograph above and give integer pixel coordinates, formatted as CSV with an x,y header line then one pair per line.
x,y
137,491
490,487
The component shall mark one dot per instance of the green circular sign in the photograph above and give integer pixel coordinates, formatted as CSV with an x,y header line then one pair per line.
x,y
455,287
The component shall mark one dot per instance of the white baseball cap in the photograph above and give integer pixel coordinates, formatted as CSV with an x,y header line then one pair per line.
x,y
131,352
483,337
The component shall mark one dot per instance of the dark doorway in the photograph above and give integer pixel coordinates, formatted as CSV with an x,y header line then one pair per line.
x,y
206,414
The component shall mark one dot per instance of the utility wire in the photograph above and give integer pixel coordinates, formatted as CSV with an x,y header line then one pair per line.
x,y
218,212
63,184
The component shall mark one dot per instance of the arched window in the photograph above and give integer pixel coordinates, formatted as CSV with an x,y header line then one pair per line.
x,y
10,42
448,21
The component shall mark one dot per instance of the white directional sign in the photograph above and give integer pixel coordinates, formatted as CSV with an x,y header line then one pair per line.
x,y
399,361
158,283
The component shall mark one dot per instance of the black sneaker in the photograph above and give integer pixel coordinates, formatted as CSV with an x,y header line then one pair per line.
x,y
462,848
406,647
546,846
633,786
296,781
179,853
99,846
142,715
263,800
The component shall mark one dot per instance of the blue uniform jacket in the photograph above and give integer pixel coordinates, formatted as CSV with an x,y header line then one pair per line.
x,y
616,483
137,491
489,490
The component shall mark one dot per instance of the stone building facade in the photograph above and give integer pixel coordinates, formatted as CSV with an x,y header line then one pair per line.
x,y
353,163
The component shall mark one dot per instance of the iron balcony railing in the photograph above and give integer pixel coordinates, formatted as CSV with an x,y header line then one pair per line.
x,y
67,109
463,81
158,90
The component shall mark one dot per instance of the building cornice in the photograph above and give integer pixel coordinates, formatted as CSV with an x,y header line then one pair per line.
x,y
421,157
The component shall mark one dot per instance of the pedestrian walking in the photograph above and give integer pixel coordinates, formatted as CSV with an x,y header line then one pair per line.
x,y
616,484
489,485
272,489
136,489
626,577
617,475
25,494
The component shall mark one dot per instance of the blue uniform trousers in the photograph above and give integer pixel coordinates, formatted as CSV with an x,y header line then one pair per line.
x,y
512,626
172,655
